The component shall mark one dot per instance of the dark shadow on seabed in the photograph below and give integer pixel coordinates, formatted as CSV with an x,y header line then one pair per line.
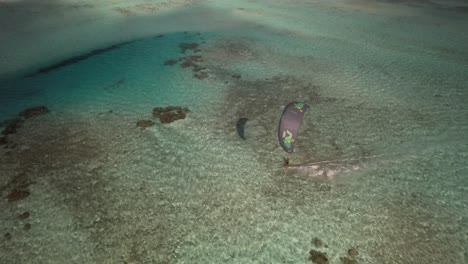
x,y
78,58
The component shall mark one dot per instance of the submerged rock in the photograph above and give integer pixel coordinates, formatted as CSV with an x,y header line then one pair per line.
x,y
318,257
3,141
169,114
33,112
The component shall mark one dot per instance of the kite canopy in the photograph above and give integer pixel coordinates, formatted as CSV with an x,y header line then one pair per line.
x,y
289,125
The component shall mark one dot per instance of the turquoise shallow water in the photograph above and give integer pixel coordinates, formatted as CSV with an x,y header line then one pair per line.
x,y
130,78
387,90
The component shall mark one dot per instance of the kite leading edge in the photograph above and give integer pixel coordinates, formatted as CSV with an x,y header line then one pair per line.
x,y
289,125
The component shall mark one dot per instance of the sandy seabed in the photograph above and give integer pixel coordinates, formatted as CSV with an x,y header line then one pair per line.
x,y
380,170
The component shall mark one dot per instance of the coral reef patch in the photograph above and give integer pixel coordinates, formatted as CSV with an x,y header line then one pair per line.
x,y
170,114
33,112
190,61
318,257
11,126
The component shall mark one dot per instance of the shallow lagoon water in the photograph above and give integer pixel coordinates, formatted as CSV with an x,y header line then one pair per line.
x,y
387,86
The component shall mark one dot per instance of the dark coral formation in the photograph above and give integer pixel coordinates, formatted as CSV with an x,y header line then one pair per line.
x,y
316,241
197,68
12,126
33,112
144,123
19,188
24,216
201,75
188,46
351,259
318,257
353,252
190,61
17,194
187,63
169,114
